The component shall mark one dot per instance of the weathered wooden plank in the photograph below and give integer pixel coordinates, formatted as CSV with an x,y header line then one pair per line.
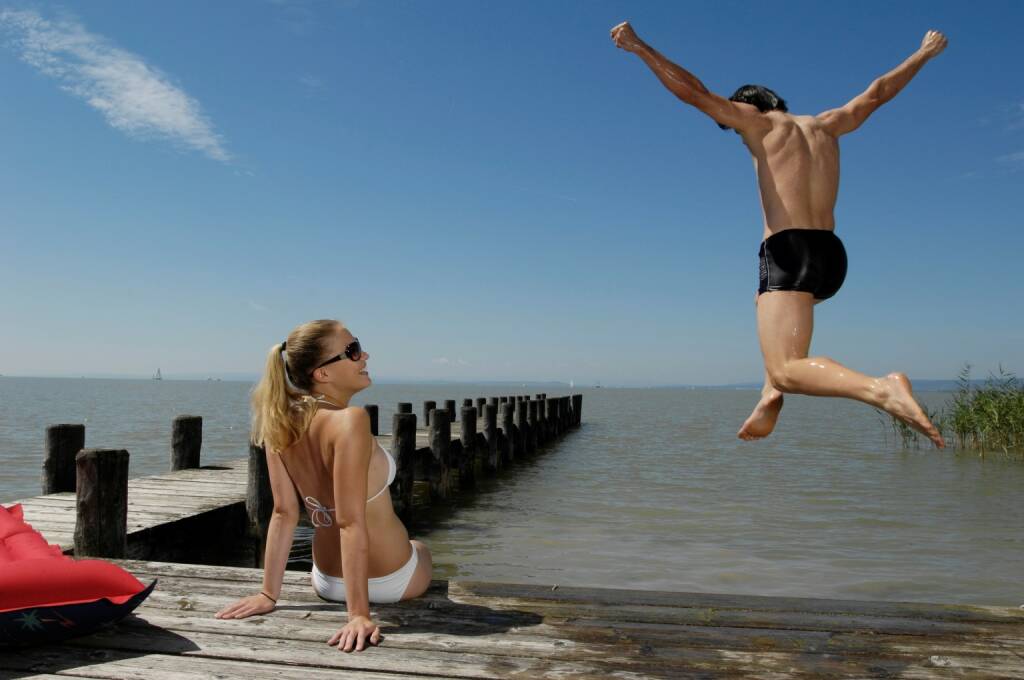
x,y
612,596
300,594
300,652
149,516
648,662
196,484
46,528
65,661
140,501
486,640
201,476
61,495
705,607
151,502
34,514
436,615
230,494
476,629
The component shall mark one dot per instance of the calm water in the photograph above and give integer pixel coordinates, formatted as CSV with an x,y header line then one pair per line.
x,y
653,492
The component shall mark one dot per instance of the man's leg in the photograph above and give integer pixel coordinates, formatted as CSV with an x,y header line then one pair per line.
x,y
785,321
762,419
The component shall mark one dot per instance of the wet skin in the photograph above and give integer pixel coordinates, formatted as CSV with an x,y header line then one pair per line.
x,y
796,159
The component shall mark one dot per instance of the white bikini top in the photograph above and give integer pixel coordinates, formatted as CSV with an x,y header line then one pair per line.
x,y
322,517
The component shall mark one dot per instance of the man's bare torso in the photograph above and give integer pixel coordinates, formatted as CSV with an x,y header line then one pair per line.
x,y
797,165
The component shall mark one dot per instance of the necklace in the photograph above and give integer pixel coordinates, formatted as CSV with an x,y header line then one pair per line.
x,y
322,399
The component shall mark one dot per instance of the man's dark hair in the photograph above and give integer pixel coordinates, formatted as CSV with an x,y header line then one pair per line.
x,y
760,96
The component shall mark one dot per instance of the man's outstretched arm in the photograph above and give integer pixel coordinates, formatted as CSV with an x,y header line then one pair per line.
x,y
850,117
686,86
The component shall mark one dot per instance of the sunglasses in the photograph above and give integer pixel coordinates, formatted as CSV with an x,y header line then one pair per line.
x,y
353,351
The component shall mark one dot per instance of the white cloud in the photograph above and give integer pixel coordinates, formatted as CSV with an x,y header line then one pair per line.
x,y
445,361
133,96
1017,116
256,307
311,82
1013,158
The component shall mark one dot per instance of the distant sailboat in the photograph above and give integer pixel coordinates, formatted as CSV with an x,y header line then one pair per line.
x,y
158,376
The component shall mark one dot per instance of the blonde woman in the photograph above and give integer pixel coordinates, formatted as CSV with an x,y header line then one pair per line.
x,y
322,448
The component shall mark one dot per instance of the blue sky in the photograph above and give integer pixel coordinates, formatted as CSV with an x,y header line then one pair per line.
x,y
488,190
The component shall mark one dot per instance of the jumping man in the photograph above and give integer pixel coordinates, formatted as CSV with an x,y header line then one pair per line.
x,y
802,261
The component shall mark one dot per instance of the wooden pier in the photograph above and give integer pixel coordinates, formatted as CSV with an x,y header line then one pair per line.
x,y
494,630
459,629
218,514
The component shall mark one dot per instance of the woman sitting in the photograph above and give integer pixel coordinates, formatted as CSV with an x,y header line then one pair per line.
x,y
320,446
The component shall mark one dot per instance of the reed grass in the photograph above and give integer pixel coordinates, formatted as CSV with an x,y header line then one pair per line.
x,y
986,418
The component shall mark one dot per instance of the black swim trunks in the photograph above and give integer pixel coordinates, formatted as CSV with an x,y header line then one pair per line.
x,y
809,260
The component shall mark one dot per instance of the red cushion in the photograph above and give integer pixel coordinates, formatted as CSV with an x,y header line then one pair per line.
x,y
20,541
47,596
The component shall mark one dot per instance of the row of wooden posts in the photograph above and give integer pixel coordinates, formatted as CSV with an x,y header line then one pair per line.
x,y
510,428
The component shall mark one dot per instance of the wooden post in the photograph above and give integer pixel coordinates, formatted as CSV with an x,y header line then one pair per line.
x,y
428,406
259,499
63,442
490,462
403,450
373,412
186,442
101,519
550,417
502,400
534,426
577,410
563,413
508,433
542,423
440,440
404,407
522,431
467,461
449,405
468,403
480,403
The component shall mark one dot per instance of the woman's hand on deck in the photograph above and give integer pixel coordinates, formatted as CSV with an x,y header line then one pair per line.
x,y
355,634
247,606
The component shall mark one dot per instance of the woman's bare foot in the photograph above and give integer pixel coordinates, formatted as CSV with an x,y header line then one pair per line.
x,y
900,403
762,419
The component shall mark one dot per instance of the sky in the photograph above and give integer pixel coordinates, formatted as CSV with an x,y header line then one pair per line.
x,y
489,190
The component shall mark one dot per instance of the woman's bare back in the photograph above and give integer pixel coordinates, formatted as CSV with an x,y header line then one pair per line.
x,y
310,464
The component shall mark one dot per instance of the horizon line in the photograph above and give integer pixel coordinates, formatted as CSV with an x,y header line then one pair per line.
x,y
252,378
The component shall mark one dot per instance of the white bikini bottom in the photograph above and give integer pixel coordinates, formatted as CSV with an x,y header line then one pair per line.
x,y
382,589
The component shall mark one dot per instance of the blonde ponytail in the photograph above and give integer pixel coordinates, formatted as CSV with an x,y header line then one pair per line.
x,y
282,407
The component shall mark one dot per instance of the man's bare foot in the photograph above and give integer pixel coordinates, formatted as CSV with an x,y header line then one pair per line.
x,y
900,403
762,419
